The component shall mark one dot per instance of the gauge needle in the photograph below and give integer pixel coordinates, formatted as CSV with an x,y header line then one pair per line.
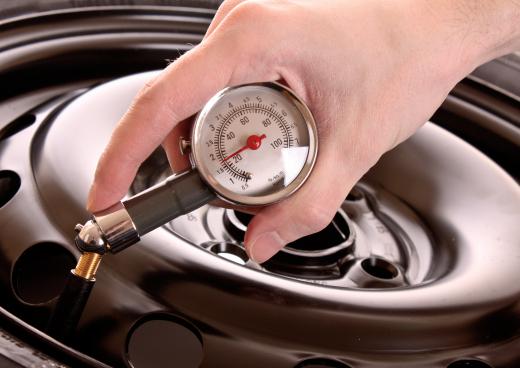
x,y
253,142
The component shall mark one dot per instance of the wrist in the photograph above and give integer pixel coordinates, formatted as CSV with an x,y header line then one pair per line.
x,y
492,27
468,33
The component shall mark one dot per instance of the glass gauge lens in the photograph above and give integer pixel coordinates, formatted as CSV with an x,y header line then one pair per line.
x,y
254,144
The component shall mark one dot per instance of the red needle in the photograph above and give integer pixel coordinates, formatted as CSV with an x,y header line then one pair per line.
x,y
253,142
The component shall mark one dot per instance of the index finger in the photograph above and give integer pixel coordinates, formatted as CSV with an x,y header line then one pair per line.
x,y
177,93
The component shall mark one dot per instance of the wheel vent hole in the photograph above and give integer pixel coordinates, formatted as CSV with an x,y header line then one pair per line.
x,y
163,340
9,185
39,274
469,363
17,125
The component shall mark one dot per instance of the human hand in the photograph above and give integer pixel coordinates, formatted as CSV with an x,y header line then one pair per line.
x,y
372,72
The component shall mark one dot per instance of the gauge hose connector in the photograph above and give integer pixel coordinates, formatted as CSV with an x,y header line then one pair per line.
x,y
109,230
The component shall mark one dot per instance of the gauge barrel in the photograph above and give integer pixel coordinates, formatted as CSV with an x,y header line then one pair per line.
x,y
175,196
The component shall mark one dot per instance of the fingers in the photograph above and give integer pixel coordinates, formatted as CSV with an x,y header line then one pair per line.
x,y
159,107
309,210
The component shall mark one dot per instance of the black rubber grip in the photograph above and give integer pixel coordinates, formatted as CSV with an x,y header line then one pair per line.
x,y
69,307
176,196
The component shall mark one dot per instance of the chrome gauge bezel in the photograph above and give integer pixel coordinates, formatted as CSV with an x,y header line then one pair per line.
x,y
239,199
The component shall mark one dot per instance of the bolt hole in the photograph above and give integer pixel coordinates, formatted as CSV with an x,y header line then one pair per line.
x,y
231,252
9,185
39,274
17,125
469,363
380,268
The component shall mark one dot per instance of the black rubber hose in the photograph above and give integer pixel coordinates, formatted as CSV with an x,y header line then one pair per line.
x,y
69,307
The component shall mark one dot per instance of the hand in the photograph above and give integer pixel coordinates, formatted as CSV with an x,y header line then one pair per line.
x,y
372,72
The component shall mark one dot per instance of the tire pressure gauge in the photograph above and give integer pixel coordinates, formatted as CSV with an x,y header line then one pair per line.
x,y
251,145
254,144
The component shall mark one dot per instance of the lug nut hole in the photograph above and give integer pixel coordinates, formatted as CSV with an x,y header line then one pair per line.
x,y
231,252
379,268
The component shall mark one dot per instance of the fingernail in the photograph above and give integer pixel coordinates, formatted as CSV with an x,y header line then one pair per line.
x,y
265,246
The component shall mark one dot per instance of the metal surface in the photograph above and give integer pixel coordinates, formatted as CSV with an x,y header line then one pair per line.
x,y
87,266
452,292
455,243
89,238
373,225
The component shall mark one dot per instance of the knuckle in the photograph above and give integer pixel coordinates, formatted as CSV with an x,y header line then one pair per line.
x,y
228,5
251,28
149,84
254,21
147,89
249,11
145,97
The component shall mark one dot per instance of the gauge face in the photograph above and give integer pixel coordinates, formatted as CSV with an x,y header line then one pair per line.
x,y
254,144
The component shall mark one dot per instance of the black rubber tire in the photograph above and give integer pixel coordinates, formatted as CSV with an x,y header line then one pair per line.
x,y
9,9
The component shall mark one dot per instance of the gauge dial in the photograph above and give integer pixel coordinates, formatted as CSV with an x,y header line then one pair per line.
x,y
254,144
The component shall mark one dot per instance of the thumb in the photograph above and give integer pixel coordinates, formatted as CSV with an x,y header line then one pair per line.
x,y
308,211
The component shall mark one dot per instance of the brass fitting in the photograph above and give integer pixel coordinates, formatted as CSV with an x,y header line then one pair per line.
x,y
87,265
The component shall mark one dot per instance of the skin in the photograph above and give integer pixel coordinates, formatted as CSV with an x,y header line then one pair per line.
x,y
372,72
